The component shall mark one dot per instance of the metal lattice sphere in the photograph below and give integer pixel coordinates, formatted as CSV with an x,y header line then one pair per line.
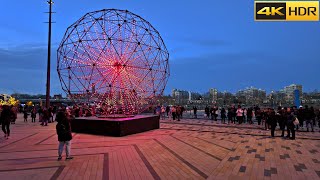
x,y
114,58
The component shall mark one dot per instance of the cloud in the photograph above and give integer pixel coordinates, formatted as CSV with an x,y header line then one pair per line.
x,y
233,71
23,69
209,43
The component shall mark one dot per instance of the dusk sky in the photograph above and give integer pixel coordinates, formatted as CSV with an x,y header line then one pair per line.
x,y
212,44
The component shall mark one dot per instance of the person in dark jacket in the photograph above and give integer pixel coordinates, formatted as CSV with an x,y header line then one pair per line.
x,y
290,125
283,120
6,117
300,116
25,115
195,109
223,115
207,111
272,120
45,117
33,115
212,113
64,134
229,114
249,116
258,115
309,115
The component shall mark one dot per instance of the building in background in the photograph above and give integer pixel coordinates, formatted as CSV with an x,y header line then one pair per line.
x,y
276,98
251,96
289,92
213,95
57,96
180,96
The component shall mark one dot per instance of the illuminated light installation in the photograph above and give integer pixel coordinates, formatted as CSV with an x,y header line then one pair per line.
x,y
115,59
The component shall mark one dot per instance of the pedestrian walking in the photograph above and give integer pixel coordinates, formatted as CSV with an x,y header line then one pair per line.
x,y
6,118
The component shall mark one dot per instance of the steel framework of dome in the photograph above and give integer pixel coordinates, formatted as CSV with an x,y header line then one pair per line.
x,y
114,58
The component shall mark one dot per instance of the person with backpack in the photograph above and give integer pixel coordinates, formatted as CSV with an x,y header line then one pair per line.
x,y
63,129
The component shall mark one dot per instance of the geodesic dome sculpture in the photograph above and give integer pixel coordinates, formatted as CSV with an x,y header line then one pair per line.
x,y
113,58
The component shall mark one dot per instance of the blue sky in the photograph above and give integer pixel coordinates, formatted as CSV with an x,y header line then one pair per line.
x,y
211,44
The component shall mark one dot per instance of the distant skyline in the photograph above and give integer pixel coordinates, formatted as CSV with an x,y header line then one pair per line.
x,y
211,44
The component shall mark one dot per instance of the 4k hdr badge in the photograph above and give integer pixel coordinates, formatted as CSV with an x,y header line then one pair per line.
x,y
286,10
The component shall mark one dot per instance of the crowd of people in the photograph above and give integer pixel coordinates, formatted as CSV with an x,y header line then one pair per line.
x,y
287,118
8,116
290,119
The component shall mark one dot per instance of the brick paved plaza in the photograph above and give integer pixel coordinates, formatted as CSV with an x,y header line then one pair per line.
x,y
189,149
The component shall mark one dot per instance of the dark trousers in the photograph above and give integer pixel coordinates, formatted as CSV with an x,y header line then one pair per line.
x,y
273,128
6,128
282,128
174,116
233,119
33,119
229,119
259,120
249,118
178,116
301,122
290,129
266,125
240,119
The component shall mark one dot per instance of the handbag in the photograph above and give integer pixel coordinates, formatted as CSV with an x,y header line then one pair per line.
x,y
296,121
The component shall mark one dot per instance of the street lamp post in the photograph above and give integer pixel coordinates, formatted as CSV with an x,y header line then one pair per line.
x,y
49,57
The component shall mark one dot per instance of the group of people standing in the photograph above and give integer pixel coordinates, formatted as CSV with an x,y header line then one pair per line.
x,y
45,114
176,111
288,119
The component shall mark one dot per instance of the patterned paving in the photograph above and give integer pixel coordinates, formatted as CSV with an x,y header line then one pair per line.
x,y
189,149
